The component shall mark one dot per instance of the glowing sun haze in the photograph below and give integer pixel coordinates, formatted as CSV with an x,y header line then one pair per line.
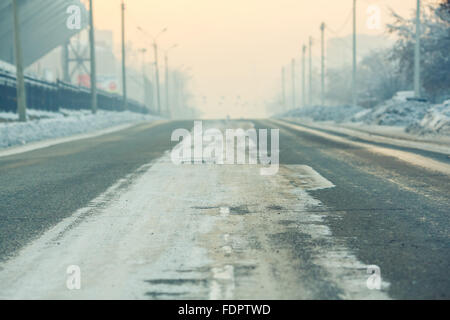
x,y
236,47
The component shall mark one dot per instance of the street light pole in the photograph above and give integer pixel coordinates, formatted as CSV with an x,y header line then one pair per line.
x,y
304,76
158,93
354,94
144,80
283,89
155,49
92,53
167,84
293,83
417,54
124,71
166,62
322,89
20,81
310,71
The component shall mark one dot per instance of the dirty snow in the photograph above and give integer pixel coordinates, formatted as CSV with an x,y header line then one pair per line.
x,y
323,113
414,117
435,121
393,113
50,125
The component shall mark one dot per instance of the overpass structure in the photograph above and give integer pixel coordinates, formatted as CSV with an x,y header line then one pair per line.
x,y
43,27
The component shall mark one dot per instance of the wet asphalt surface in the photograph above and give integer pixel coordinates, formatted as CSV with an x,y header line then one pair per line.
x,y
389,213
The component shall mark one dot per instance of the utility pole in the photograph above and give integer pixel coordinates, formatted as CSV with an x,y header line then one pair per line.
x,y
322,82
304,75
92,52
158,93
176,104
152,95
20,81
144,80
124,70
354,94
310,72
65,62
166,62
293,84
179,93
417,54
155,49
283,89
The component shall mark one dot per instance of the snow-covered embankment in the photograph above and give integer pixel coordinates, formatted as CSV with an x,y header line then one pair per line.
x,y
49,125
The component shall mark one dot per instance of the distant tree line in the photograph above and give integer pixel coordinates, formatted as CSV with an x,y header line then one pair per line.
x,y
384,72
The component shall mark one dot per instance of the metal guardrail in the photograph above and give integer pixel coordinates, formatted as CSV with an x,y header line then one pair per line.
x,y
51,96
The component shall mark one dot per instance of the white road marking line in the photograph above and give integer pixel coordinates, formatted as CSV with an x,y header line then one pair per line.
x,y
405,156
391,135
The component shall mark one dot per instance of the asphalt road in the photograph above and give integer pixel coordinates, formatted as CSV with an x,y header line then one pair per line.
x,y
40,188
390,213
141,227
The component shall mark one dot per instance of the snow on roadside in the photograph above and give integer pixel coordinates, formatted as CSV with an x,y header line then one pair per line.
x,y
325,113
37,114
63,124
414,117
435,121
393,113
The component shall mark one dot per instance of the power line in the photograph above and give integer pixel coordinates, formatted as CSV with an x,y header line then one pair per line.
x,y
347,20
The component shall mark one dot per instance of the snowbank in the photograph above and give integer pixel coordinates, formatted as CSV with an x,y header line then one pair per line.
x,y
435,121
321,113
393,113
413,116
63,124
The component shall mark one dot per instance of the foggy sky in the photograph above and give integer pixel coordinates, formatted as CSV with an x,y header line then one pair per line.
x,y
237,47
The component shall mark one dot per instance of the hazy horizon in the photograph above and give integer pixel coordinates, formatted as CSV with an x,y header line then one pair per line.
x,y
235,49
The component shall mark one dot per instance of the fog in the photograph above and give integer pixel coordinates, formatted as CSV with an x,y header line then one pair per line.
x,y
235,49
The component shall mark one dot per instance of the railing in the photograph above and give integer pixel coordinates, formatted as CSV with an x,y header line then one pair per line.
x,y
50,96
